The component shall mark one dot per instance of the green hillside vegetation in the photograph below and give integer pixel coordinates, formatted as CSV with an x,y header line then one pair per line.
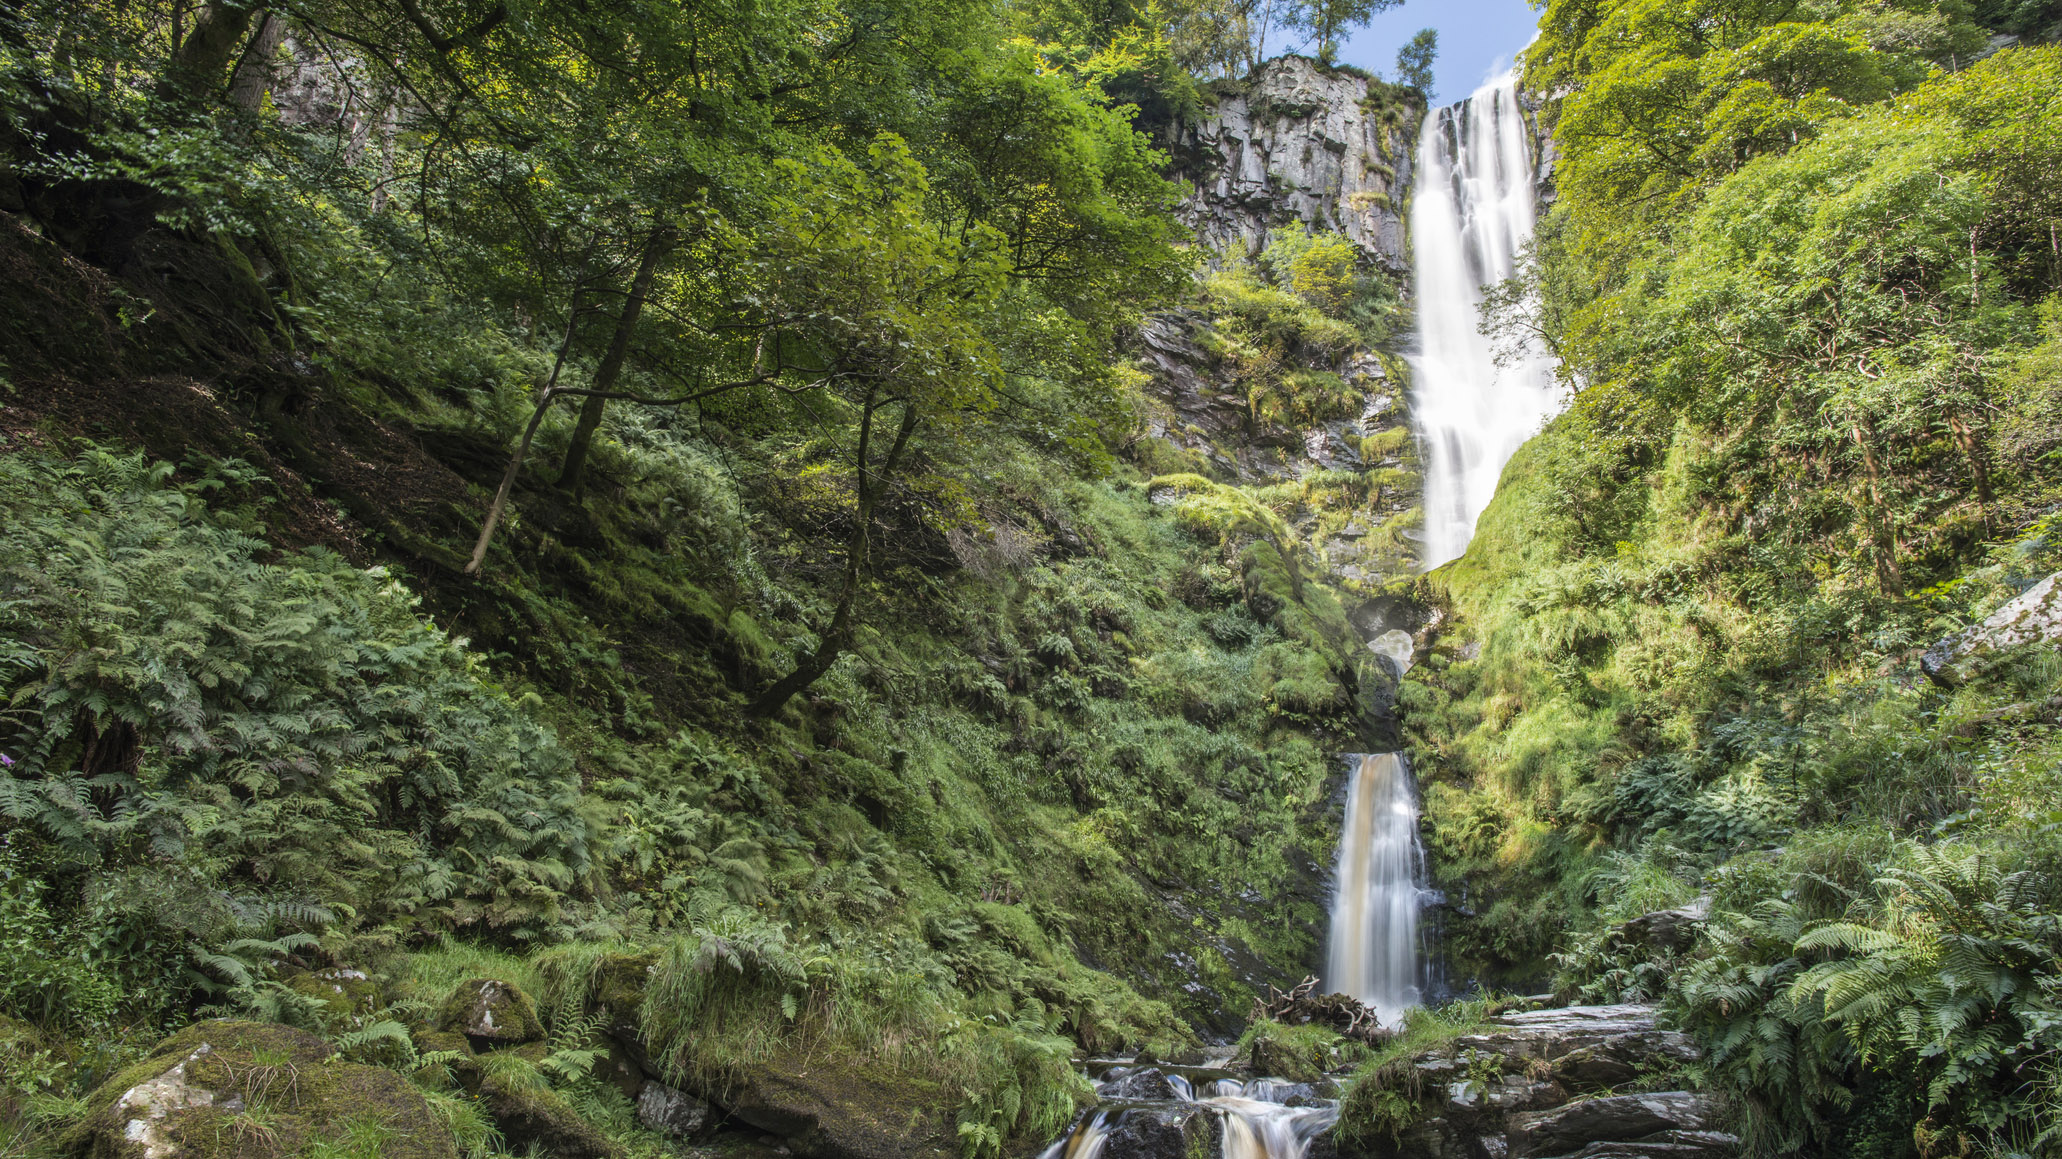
x,y
822,659
643,517
1801,273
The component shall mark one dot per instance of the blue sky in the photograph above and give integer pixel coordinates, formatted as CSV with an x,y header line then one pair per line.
x,y
1473,36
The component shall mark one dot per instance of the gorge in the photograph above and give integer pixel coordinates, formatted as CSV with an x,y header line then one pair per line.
x,y
877,580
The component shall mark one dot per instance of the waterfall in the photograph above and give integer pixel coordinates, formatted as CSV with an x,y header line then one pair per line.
x,y
1256,1119
1372,953
1471,214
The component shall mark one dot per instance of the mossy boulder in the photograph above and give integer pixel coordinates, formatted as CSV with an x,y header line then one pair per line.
x,y
225,1088
346,994
532,1114
492,1012
829,1109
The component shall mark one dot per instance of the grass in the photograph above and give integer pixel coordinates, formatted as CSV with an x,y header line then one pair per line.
x,y
1386,1094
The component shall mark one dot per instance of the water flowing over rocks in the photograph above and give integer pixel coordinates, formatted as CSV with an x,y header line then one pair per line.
x,y
1300,143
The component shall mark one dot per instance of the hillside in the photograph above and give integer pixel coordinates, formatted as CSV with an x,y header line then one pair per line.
x,y
667,579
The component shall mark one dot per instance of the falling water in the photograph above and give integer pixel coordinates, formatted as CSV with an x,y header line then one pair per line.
x,y
1470,217
1373,950
1256,1118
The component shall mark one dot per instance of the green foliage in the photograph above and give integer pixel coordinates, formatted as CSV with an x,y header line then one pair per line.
x,y
293,732
1387,1094
1414,60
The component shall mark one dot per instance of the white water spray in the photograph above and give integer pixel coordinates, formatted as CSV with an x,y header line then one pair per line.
x,y
1372,953
1470,217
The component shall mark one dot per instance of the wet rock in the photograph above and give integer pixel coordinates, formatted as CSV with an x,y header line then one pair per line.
x,y
1666,1145
225,1079
2034,617
1145,1084
493,1012
1618,1118
663,1109
1175,1133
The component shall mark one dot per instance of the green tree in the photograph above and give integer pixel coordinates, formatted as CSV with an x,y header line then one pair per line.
x,y
1414,61
1329,20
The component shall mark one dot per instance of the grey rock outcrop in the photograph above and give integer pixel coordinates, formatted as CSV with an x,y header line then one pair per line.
x,y
1302,143
663,1109
1618,1119
1539,1083
2034,617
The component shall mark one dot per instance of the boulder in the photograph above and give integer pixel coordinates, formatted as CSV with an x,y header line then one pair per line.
x,y
492,1012
835,1109
2034,617
663,1109
225,1087
1618,1118
1145,1084
1172,1133
1669,930
532,1115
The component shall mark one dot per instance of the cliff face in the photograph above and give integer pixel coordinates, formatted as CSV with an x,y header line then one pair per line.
x,y
1300,143
1306,149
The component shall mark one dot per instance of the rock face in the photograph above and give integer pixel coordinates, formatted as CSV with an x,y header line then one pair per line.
x,y
663,1109
1164,1134
2034,617
1535,1085
217,1085
1302,143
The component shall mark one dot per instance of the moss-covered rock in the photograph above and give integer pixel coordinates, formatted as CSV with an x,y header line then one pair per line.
x,y
490,1010
225,1088
533,1114
346,994
844,1110
437,1041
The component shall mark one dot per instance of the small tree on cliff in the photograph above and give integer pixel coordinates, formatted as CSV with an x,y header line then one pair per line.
x,y
1414,61
1328,21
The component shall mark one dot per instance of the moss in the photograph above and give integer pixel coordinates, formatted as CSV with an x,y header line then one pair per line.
x,y
535,1115
259,1089
490,1009
847,1107
1299,1054
347,1000
429,1041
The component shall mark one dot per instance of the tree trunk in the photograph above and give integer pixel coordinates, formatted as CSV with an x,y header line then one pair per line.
x,y
1889,577
197,66
515,461
575,464
838,636
1973,451
254,70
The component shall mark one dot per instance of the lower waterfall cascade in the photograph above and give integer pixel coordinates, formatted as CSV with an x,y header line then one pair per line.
x,y
1256,1119
1476,399
1371,948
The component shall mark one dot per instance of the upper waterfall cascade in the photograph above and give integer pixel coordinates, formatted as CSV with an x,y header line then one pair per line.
x,y
1372,950
1474,405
